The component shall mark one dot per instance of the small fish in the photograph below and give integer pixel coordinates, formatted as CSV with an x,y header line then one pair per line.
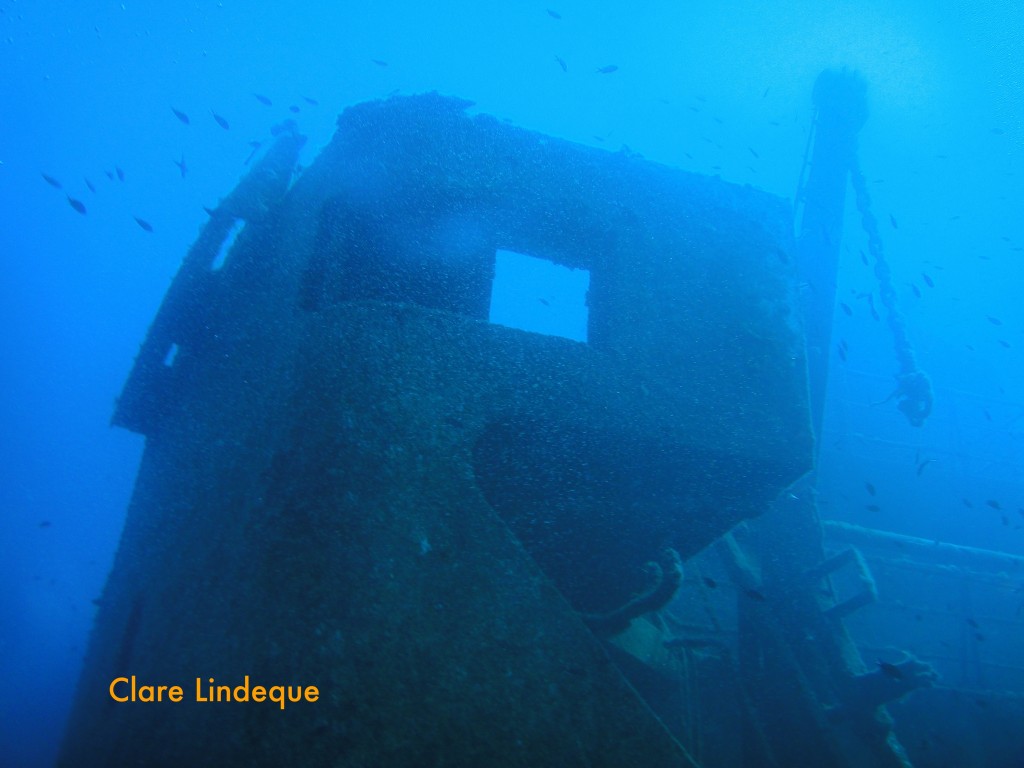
x,y
871,305
869,488
143,223
985,412
562,63
545,302
979,637
294,109
109,175
863,257
554,14
311,102
993,503
973,623
45,524
766,91
120,173
916,290
993,320
52,181
893,220
180,115
841,351
263,100
181,166
1004,343
754,153
846,309
927,280
890,670
209,211
379,63
220,120
922,465
753,594
709,582
76,204
89,184
873,508
607,70
968,503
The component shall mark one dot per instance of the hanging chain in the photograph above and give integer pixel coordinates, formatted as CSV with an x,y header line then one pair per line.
x,y
913,391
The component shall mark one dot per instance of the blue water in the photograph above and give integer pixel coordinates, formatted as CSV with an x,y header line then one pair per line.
x,y
87,90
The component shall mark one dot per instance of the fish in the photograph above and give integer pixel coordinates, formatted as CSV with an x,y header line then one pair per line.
x,y
754,153
77,205
119,172
143,223
180,115
52,181
45,524
841,351
753,594
709,582
993,320
846,308
994,503
311,102
916,290
871,305
863,257
89,184
263,100
766,91
968,503
922,465
1004,343
561,63
220,120
209,211
181,166
607,69
927,280
545,302
379,63
893,220
873,508
109,175
554,14
869,487
890,670
294,109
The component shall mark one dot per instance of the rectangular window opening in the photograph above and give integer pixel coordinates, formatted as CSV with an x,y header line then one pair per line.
x,y
535,294
225,247
171,354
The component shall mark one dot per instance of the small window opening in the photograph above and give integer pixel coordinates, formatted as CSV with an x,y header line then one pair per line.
x,y
537,295
171,354
229,241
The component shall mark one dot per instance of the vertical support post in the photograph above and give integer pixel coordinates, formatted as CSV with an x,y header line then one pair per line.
x,y
840,112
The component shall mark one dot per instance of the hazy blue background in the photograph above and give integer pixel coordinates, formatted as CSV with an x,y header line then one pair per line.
x,y
87,86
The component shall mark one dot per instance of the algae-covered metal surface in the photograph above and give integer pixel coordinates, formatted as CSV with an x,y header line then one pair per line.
x,y
353,480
